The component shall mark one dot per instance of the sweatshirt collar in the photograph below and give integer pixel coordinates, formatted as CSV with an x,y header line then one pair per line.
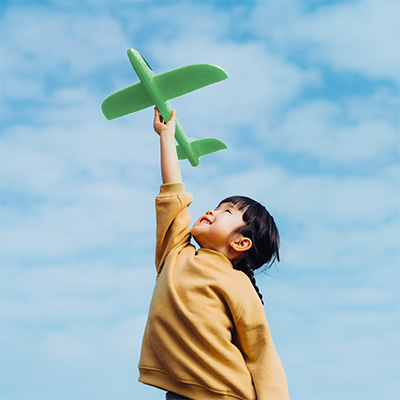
x,y
214,253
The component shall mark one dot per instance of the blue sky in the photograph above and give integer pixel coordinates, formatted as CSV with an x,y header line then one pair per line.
x,y
310,113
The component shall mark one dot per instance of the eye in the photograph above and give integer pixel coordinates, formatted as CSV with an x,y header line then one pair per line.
x,y
228,211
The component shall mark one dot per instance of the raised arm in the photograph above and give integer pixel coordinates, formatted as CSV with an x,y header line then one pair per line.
x,y
170,169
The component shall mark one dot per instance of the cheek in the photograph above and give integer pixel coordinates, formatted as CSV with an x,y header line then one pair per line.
x,y
220,230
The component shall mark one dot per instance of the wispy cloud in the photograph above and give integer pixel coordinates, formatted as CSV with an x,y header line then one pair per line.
x,y
310,115
356,36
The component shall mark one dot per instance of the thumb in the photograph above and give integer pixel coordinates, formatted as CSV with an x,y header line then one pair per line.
x,y
172,121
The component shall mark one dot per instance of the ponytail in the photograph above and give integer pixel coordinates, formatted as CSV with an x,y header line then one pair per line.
x,y
244,266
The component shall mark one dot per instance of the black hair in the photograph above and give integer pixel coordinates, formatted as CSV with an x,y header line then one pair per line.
x,y
260,227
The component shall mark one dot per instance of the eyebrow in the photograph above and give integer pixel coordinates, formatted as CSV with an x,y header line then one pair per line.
x,y
228,205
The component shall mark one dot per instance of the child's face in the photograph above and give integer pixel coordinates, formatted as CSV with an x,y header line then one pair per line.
x,y
213,230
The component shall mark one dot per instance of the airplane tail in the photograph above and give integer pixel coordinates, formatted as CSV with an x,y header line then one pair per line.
x,y
199,148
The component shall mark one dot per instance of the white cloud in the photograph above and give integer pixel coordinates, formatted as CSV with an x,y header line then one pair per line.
x,y
54,230
344,202
80,176
353,134
43,43
322,250
310,199
82,353
259,83
80,292
357,36
344,329
381,104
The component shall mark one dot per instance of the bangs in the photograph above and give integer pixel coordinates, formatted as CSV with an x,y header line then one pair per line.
x,y
242,203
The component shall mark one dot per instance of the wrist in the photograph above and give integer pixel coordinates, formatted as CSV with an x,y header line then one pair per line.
x,y
167,137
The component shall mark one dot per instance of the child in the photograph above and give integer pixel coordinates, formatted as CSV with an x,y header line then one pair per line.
x,y
207,336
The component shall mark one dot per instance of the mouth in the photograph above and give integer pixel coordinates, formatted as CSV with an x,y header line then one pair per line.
x,y
205,220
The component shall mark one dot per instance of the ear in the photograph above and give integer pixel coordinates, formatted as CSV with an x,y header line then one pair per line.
x,y
241,244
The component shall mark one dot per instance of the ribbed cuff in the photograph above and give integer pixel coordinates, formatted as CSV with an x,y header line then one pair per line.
x,y
168,189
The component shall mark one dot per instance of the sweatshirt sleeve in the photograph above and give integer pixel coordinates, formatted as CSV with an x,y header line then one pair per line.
x,y
255,342
173,220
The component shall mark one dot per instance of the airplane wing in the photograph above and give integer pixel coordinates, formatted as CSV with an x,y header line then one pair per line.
x,y
126,101
172,84
184,80
201,147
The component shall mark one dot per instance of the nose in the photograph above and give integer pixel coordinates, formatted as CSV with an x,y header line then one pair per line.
x,y
210,212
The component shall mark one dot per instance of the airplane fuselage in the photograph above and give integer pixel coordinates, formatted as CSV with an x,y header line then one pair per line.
x,y
146,76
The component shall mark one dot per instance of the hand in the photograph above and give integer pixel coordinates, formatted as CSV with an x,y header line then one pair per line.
x,y
161,128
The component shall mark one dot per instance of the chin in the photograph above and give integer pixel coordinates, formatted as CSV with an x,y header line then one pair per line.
x,y
195,239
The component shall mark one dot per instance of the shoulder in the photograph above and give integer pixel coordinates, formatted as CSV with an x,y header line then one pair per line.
x,y
234,286
251,308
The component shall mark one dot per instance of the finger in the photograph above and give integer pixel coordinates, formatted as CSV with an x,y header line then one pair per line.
x,y
172,121
157,116
156,122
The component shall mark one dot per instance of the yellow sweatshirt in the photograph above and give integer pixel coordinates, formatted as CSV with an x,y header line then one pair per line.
x,y
206,335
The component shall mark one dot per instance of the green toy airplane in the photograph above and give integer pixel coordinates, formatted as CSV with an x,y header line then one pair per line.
x,y
157,90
